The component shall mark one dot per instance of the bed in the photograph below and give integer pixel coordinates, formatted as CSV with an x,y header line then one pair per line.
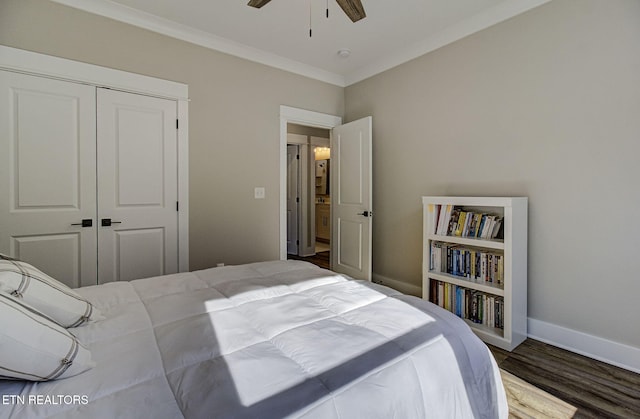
x,y
267,340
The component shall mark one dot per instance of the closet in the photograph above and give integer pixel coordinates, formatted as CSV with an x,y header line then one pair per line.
x,y
88,180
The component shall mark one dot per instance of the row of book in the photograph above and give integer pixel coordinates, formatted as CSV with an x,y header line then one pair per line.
x,y
474,264
475,306
456,221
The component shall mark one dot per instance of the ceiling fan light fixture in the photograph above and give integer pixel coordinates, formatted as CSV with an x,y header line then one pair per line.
x,y
352,8
257,3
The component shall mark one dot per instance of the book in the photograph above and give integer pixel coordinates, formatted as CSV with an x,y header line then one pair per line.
x,y
441,218
453,221
467,224
496,228
473,225
437,209
483,219
488,227
460,224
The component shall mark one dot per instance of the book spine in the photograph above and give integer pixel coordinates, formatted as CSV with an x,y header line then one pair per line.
x,y
460,225
453,222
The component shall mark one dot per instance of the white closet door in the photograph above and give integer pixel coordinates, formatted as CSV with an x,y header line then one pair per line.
x,y
48,175
137,186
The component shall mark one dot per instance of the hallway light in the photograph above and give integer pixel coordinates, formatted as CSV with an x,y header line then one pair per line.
x,y
322,153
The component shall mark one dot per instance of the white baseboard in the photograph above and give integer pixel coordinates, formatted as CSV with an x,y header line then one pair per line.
x,y
614,353
610,352
403,287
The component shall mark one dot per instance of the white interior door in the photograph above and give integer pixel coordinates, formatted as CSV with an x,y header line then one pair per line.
x,y
351,203
137,186
48,175
293,199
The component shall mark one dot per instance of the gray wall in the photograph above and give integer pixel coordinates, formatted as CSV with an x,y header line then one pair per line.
x,y
234,118
544,105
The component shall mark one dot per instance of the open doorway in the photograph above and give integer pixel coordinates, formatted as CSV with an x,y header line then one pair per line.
x,y
306,118
308,194
351,185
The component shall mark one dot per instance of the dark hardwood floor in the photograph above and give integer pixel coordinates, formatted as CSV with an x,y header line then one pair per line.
x,y
593,388
320,259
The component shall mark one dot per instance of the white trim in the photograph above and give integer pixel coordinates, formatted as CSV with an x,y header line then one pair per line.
x,y
401,286
27,62
503,11
297,139
42,65
183,186
614,353
175,30
492,16
300,117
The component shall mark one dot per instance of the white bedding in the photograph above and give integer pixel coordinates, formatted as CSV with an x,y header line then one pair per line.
x,y
268,340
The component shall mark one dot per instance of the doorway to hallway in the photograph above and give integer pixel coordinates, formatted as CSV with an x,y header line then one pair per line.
x,y
308,194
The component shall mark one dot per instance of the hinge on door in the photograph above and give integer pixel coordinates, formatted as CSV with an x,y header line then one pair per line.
x,y
177,205
297,156
176,124
297,199
297,241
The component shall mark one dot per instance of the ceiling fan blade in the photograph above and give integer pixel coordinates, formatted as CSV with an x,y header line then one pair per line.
x,y
257,3
353,9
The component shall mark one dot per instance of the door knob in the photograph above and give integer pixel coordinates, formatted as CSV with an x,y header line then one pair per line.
x,y
106,222
366,213
87,222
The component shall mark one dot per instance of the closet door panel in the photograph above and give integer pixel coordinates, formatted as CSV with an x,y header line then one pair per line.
x,y
137,186
48,175
139,139
139,253
56,254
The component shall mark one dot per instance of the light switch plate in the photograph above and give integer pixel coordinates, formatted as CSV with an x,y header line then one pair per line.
x,y
259,193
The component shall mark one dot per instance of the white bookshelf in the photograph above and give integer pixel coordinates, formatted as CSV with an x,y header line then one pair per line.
x,y
511,244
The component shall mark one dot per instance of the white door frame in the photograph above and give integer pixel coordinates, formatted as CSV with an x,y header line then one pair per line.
x,y
300,117
27,62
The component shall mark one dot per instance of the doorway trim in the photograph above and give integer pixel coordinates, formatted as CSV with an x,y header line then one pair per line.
x,y
300,117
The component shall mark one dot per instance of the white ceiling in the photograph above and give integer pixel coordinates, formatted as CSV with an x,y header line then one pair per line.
x,y
278,34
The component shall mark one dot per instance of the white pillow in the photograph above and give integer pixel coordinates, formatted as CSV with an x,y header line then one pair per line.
x,y
34,348
50,297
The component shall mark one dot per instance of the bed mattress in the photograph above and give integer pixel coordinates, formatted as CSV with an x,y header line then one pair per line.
x,y
268,340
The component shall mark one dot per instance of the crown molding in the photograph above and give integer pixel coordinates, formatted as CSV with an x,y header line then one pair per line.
x,y
175,30
501,12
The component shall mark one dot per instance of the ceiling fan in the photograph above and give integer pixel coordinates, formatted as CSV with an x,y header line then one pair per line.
x,y
352,8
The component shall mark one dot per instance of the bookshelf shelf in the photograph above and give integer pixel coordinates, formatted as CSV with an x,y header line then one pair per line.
x,y
491,293
467,283
490,335
468,241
